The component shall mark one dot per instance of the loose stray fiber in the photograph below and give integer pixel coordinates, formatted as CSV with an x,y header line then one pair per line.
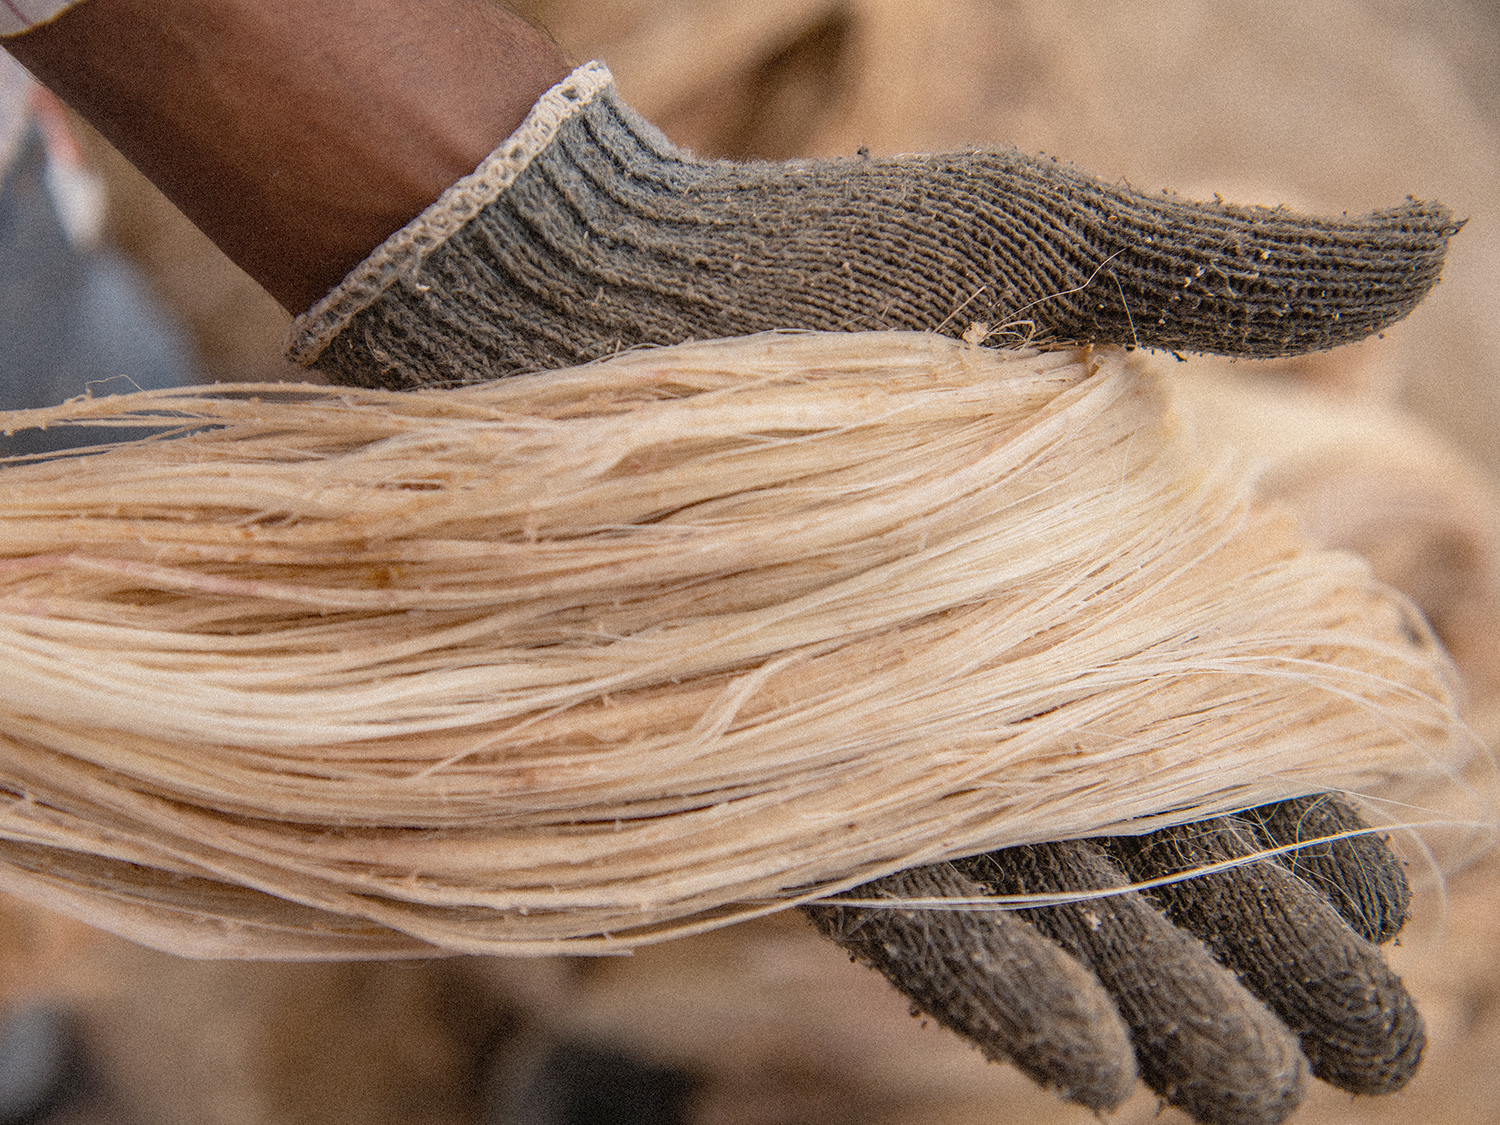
x,y
591,658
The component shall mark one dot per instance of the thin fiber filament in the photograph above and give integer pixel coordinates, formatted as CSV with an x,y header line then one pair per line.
x,y
592,658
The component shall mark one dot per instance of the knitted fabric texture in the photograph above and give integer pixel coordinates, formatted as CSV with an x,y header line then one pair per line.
x,y
1292,945
587,232
1358,874
1205,1045
1356,1022
993,979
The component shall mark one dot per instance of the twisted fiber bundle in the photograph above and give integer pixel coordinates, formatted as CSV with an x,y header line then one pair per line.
x,y
596,657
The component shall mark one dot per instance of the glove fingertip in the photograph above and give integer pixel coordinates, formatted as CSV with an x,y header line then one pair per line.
x,y
1355,1020
1203,1042
994,980
1360,876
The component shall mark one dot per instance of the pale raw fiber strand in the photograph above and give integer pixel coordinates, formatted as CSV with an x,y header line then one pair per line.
x,y
596,657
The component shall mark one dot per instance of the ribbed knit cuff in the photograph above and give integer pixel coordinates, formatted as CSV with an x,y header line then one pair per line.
x,y
401,255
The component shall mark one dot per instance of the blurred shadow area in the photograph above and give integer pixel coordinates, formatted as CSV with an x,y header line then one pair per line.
x,y
75,318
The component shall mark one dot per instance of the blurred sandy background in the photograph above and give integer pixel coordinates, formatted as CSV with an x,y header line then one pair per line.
x,y
1391,447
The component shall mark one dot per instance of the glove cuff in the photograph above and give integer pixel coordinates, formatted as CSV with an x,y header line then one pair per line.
x,y
400,257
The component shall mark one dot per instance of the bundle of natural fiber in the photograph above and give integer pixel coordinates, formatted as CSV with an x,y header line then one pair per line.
x,y
1368,477
596,657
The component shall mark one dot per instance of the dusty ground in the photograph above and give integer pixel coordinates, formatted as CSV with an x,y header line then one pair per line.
x,y
1329,105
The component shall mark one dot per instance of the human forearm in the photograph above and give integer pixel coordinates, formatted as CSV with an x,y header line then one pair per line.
x,y
297,133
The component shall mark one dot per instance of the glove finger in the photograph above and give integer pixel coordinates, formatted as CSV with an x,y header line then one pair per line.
x,y
1202,1042
1357,1024
994,980
1359,875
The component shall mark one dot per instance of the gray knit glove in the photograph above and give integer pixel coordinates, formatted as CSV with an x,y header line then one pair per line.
x,y
587,231
1222,990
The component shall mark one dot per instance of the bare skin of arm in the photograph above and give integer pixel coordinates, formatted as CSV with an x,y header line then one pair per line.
x,y
298,134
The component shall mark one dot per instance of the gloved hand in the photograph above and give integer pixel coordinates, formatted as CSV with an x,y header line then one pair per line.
x,y
587,232
1222,990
